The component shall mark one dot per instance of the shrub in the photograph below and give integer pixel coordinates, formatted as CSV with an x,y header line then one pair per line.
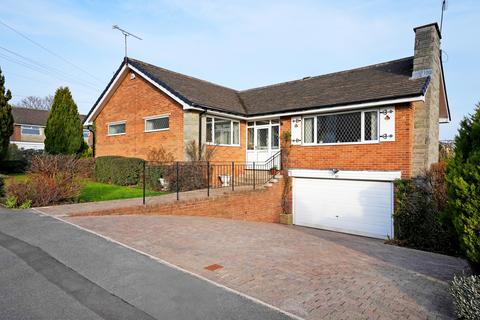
x,y
13,166
463,182
196,153
466,296
419,221
153,174
11,202
18,193
86,167
191,176
51,180
2,184
119,170
27,204
160,155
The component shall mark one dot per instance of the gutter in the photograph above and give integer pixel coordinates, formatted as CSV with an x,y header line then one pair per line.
x,y
200,130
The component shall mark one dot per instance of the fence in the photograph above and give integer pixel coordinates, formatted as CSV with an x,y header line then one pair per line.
x,y
182,176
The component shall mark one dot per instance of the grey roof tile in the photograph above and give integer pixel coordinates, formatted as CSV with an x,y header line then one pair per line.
x,y
382,81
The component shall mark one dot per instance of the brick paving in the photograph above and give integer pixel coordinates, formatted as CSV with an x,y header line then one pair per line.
x,y
312,273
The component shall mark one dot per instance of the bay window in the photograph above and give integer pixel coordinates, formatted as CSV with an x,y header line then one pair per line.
x,y
222,131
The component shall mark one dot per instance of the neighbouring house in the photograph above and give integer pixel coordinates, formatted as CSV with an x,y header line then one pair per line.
x,y
352,132
29,127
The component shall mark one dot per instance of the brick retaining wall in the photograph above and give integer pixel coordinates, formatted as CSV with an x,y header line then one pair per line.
x,y
263,204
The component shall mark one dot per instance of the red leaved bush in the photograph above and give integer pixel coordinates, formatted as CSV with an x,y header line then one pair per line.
x,y
51,179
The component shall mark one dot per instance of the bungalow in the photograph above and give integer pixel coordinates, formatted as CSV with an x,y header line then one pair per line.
x,y
352,132
29,127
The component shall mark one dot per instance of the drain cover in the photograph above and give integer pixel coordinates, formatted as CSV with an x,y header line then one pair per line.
x,y
213,267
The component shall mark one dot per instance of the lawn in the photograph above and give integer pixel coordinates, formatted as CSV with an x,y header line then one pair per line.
x,y
96,191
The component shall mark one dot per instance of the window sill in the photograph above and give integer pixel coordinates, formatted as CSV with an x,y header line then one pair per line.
x,y
339,144
116,134
222,145
157,130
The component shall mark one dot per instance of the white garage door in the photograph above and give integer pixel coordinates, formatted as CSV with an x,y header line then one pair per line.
x,y
351,206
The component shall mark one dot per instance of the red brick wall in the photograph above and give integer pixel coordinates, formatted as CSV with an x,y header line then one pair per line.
x,y
132,101
395,155
232,153
249,205
17,133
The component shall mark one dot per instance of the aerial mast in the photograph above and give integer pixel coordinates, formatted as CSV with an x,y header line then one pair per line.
x,y
125,34
444,8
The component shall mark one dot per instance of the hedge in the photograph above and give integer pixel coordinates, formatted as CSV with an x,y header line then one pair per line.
x,y
2,183
419,222
118,170
13,166
153,174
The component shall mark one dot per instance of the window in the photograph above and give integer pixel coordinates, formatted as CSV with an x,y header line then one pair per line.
x,y
351,127
371,125
308,127
251,139
116,128
31,130
236,133
338,128
275,137
86,133
223,131
157,123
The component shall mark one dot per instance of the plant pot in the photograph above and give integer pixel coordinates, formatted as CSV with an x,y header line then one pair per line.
x,y
286,218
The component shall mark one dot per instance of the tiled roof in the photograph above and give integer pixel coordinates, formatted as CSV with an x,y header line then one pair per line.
x,y
382,81
33,116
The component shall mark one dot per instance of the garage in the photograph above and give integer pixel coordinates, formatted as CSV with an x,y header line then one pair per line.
x,y
355,202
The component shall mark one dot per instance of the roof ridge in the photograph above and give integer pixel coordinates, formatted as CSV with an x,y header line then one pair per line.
x,y
185,75
327,74
31,109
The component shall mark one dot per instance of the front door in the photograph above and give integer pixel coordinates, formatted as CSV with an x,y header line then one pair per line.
x,y
263,140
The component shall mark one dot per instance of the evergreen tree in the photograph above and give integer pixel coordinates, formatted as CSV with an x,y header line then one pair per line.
x,y
6,118
463,182
63,133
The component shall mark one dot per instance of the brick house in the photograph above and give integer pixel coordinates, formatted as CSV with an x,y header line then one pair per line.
x,y
29,127
352,132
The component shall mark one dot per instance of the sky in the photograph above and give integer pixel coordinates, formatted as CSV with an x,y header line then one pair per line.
x,y
238,44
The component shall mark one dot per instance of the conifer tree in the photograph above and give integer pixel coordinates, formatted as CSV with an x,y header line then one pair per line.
x,y
63,133
463,183
6,118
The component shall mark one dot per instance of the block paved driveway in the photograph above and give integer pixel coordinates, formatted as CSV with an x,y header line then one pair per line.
x,y
312,273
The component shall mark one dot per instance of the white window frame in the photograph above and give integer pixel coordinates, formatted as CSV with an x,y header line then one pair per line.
x,y
231,132
160,116
114,123
31,127
268,125
362,117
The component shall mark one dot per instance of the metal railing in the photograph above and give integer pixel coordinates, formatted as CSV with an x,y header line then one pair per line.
x,y
182,176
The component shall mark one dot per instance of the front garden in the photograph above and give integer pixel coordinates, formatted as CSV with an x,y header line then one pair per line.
x,y
60,179
93,191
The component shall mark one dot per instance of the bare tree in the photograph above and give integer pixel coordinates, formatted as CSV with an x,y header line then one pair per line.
x,y
34,102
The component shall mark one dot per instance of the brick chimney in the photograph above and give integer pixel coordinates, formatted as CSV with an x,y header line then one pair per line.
x,y
426,63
